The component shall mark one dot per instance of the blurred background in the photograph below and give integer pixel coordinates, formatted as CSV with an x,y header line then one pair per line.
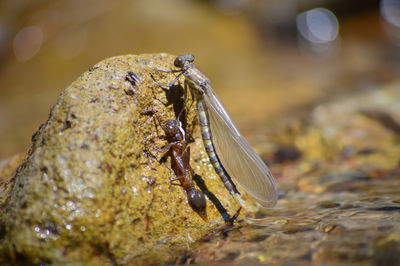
x,y
267,60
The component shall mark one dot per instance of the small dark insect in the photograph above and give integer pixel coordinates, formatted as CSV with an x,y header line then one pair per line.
x,y
134,80
179,152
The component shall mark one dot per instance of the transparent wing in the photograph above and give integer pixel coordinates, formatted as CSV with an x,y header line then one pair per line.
x,y
238,158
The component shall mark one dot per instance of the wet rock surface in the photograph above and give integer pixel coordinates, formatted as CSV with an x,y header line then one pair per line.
x,y
91,189
7,177
339,202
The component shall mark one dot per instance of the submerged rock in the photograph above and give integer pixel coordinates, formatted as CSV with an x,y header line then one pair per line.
x,y
91,189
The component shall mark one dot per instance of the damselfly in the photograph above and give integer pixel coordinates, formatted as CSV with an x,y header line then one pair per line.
x,y
228,151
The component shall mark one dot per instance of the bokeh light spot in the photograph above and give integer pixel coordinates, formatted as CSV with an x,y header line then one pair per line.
x,y
27,43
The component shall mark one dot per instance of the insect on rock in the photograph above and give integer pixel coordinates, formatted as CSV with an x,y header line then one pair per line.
x,y
222,139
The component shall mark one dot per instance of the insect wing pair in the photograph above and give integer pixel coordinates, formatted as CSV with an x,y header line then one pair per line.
x,y
236,155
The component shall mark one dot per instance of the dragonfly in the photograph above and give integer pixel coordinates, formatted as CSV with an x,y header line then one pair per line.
x,y
228,151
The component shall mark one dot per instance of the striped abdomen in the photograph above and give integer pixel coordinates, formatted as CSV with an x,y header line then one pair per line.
x,y
209,146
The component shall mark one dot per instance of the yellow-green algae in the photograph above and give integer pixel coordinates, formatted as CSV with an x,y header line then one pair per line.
x,y
8,168
85,195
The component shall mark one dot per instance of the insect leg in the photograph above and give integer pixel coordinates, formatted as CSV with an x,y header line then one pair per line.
x,y
172,83
160,124
168,71
164,149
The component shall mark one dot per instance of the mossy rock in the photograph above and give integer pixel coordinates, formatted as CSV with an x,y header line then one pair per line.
x,y
91,189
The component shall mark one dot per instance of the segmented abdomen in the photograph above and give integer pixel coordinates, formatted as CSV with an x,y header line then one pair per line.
x,y
209,146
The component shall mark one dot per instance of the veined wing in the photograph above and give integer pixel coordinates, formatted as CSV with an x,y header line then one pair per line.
x,y
236,155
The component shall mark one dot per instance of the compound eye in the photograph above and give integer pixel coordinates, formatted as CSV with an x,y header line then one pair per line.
x,y
178,62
